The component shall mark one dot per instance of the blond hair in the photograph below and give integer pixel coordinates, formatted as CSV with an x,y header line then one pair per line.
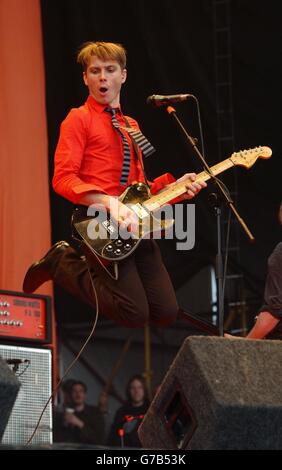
x,y
104,51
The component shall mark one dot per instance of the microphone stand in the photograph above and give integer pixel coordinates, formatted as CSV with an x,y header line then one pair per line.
x,y
225,196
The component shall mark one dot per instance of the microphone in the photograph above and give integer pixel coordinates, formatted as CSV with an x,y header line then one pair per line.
x,y
160,100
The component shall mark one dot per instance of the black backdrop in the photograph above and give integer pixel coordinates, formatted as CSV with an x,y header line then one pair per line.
x,y
170,48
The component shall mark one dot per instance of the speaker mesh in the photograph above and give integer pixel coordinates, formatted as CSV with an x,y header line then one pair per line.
x,y
218,394
35,379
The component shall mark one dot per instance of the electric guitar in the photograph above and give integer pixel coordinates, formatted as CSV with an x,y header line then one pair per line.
x,y
109,243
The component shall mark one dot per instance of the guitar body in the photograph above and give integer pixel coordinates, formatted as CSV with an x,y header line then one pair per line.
x,y
103,236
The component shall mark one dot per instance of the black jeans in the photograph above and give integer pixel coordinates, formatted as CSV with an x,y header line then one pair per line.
x,y
143,291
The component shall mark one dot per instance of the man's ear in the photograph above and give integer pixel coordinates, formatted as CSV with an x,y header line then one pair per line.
x,y
124,75
85,78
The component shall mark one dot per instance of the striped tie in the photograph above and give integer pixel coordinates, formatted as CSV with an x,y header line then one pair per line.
x,y
126,148
144,145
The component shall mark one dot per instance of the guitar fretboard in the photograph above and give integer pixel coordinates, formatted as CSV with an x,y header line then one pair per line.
x,y
178,189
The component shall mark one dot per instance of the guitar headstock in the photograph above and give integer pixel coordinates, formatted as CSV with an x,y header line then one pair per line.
x,y
247,158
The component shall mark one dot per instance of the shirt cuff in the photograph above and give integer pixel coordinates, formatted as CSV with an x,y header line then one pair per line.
x,y
162,181
274,311
85,188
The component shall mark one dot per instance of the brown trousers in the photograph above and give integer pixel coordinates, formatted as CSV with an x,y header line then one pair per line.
x,y
143,291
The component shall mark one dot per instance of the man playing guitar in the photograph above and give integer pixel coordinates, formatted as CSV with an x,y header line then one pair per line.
x,y
95,161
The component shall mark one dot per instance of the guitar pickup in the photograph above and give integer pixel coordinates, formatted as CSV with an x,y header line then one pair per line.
x,y
139,210
109,227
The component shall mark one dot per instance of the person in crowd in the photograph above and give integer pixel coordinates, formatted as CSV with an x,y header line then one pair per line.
x,y
129,416
78,422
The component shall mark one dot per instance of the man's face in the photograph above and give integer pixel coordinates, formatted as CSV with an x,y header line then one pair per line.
x,y
104,80
77,395
136,391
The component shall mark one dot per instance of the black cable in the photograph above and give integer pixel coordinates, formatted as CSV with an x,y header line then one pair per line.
x,y
226,251
25,369
73,362
200,125
221,184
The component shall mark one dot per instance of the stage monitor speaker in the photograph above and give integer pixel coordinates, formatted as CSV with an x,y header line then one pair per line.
x,y
33,369
221,394
9,387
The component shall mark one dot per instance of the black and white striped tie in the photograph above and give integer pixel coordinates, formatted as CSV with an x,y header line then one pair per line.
x,y
144,145
126,147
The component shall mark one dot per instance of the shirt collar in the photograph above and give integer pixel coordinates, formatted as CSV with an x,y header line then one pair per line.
x,y
100,108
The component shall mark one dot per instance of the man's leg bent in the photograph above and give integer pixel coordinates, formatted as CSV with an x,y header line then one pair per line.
x,y
157,284
123,300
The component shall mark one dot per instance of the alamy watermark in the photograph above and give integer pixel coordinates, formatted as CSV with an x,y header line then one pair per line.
x,y
168,222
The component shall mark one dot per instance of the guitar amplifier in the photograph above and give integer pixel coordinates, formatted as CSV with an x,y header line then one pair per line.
x,y
25,317
33,369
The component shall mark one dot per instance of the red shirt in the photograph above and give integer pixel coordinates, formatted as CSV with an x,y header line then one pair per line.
x,y
89,155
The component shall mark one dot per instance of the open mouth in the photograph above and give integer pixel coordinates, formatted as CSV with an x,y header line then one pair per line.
x,y
103,89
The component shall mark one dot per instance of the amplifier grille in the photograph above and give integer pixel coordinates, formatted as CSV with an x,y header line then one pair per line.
x,y
35,378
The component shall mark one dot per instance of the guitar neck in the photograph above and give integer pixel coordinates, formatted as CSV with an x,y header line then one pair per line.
x,y
178,189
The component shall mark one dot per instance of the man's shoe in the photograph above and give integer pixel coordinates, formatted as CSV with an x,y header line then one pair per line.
x,y
41,271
